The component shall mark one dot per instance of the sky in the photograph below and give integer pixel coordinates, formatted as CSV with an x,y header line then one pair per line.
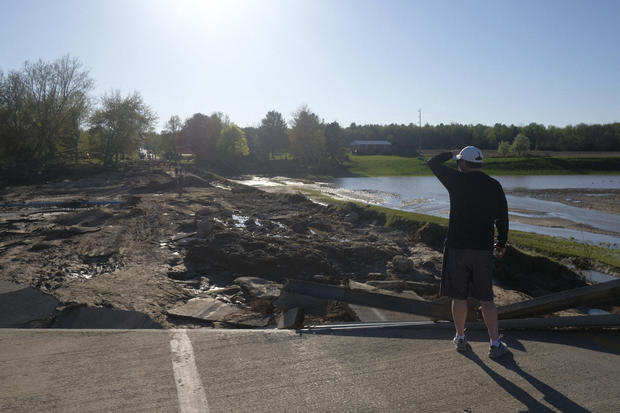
x,y
554,62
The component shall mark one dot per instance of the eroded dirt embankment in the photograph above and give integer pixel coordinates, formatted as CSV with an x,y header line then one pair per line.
x,y
162,247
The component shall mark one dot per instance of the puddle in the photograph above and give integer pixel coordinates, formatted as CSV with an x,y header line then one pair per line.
x,y
214,288
81,274
220,186
598,277
261,181
597,311
240,220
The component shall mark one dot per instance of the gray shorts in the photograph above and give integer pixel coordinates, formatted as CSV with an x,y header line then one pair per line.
x,y
467,273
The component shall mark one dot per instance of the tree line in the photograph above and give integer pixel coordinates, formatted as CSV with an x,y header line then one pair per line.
x,y
218,142
581,137
47,115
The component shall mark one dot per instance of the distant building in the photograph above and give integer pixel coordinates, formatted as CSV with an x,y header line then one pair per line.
x,y
371,147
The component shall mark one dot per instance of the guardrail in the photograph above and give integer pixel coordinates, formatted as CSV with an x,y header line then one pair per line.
x,y
298,296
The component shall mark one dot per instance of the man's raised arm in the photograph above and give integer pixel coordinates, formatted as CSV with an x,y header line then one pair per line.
x,y
436,163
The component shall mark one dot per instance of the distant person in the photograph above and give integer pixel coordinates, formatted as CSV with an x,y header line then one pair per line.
x,y
477,206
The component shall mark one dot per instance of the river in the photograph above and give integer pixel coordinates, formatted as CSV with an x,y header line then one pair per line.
x,y
424,194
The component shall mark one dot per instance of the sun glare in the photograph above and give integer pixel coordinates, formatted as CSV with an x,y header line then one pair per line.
x,y
203,13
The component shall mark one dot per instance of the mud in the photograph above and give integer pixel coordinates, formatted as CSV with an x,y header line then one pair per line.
x,y
604,200
162,245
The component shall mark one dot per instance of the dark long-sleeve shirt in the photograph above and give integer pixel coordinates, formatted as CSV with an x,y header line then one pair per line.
x,y
477,203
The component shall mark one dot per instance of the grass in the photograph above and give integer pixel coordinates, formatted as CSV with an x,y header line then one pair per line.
x,y
380,165
564,248
393,215
541,244
553,166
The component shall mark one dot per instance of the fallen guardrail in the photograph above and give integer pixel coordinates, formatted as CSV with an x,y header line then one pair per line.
x,y
298,297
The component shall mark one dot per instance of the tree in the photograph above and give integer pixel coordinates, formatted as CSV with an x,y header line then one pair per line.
x,y
200,134
42,108
490,137
174,124
536,133
193,134
152,142
307,137
502,132
479,137
252,136
503,149
232,142
169,136
273,134
334,142
119,125
521,145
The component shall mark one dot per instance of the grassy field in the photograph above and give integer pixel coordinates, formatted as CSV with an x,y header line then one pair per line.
x,y
367,166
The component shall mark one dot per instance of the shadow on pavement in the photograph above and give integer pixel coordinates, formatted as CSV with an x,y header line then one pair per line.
x,y
550,395
604,341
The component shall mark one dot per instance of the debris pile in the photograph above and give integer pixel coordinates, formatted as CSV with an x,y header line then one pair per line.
x,y
213,253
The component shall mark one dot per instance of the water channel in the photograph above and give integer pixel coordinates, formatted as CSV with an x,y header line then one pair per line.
x,y
424,194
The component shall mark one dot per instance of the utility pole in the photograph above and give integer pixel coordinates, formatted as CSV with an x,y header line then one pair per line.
x,y
420,133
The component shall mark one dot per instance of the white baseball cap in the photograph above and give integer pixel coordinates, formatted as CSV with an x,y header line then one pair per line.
x,y
470,154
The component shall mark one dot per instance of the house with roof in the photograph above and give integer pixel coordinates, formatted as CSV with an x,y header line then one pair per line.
x,y
371,147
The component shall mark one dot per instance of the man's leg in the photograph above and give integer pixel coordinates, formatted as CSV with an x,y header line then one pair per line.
x,y
489,313
459,315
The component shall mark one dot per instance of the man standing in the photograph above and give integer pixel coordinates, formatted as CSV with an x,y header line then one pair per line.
x,y
477,206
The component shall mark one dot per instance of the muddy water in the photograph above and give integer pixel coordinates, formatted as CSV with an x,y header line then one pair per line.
x,y
560,181
424,194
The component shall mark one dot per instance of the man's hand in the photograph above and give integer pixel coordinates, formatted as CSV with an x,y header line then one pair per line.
x,y
498,251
